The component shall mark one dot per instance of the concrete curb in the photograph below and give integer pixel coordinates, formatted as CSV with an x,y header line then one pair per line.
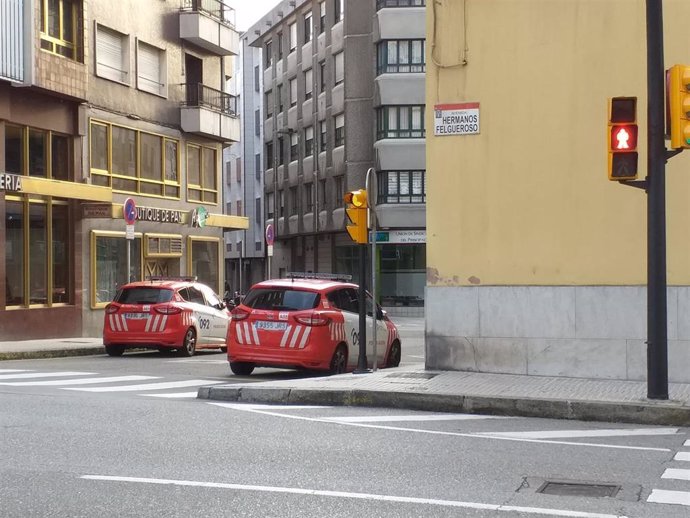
x,y
56,353
666,413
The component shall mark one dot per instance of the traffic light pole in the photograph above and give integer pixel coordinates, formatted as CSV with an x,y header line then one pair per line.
x,y
362,337
657,339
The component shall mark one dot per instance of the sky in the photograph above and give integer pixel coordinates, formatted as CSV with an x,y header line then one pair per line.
x,y
249,11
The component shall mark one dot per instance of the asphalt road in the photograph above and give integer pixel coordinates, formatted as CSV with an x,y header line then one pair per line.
x,y
74,445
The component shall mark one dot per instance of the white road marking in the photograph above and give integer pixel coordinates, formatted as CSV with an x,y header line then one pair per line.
x,y
250,407
13,370
357,496
676,474
557,434
686,443
682,455
661,496
147,386
411,418
82,381
235,406
415,356
43,375
173,395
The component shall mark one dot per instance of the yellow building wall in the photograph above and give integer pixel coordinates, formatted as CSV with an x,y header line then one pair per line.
x,y
528,201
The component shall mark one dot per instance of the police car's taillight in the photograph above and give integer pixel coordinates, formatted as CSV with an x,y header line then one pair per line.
x,y
111,308
315,319
239,314
168,310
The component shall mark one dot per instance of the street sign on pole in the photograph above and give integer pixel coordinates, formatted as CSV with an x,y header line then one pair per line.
x,y
130,211
270,235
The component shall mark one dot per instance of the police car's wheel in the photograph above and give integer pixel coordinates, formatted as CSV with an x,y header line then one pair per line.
x,y
114,350
223,349
339,360
394,355
241,368
189,343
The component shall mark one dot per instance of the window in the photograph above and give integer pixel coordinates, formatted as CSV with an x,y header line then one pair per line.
x,y
281,204
258,218
257,122
308,84
270,205
321,195
309,141
151,71
140,162
339,130
281,150
202,174
338,11
280,98
322,77
257,166
293,36
60,27
203,257
294,146
339,187
401,187
339,60
294,201
238,205
280,45
322,15
27,151
293,91
257,82
380,4
400,122
268,104
268,54
400,56
269,155
109,253
238,170
308,197
112,55
308,28
323,126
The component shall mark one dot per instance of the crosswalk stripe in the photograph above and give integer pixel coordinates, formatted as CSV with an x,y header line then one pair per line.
x,y
584,433
44,375
410,418
81,381
173,395
147,386
682,455
676,474
13,370
662,496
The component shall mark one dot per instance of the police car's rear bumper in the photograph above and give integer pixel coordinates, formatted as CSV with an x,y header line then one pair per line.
x,y
167,338
313,358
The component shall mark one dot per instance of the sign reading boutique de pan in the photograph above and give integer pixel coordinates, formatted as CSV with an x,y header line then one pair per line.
x,y
158,215
10,182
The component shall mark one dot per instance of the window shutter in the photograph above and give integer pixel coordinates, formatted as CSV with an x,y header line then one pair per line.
x,y
149,68
109,55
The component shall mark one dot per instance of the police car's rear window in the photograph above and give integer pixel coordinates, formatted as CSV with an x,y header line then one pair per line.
x,y
143,295
281,299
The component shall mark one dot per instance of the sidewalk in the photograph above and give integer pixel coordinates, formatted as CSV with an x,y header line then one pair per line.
x,y
411,387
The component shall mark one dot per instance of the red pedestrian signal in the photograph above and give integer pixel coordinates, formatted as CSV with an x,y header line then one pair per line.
x,y
622,138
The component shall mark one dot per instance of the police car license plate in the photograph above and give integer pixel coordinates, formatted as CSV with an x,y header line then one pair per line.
x,y
136,316
270,326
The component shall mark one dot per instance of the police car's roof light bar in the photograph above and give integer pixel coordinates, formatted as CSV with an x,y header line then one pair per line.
x,y
326,276
164,278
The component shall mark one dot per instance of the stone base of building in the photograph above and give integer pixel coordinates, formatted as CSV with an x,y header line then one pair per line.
x,y
574,331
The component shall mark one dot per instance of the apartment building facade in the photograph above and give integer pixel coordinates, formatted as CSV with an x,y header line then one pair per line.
x,y
342,87
99,104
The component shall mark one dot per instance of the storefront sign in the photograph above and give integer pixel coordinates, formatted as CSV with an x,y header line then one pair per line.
x,y
401,237
159,215
456,119
96,210
199,217
10,182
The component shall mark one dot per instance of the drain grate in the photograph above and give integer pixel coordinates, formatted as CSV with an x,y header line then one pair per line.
x,y
412,375
578,489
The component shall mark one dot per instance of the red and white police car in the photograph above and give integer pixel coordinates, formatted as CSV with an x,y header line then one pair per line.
x,y
165,314
307,321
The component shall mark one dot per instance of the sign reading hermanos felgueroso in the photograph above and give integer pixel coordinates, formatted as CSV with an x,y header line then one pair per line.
x,y
456,119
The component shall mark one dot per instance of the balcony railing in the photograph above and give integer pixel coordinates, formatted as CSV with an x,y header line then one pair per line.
x,y
380,4
200,95
214,8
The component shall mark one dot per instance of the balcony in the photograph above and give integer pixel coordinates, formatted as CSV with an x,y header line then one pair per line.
x,y
210,24
210,113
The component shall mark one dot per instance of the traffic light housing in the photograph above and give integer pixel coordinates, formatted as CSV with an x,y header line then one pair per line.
x,y
679,105
357,211
622,138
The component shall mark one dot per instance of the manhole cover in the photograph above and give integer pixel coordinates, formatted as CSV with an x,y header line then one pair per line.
x,y
412,375
578,489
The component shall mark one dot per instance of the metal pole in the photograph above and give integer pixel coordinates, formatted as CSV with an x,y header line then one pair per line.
x,y
370,187
657,353
129,260
362,363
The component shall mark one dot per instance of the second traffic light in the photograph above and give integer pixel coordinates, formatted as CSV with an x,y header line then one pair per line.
x,y
622,138
357,211
679,105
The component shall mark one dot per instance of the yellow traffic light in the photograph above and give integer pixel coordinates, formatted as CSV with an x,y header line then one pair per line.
x,y
622,138
357,211
679,105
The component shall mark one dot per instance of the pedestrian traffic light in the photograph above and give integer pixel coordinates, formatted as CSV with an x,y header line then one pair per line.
x,y
679,105
622,138
357,211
